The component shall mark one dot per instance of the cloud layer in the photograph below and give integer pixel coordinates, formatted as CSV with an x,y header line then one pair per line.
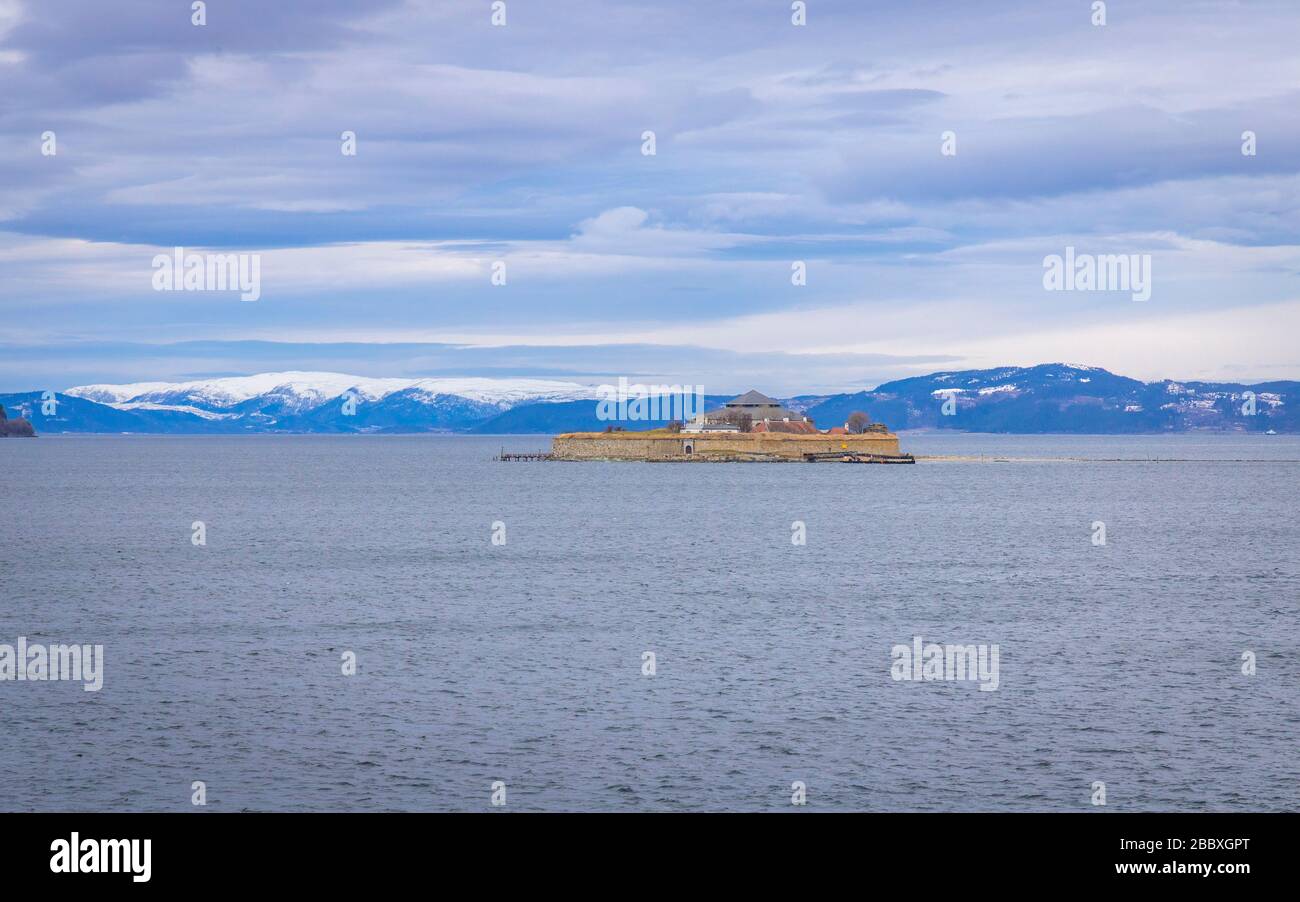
x,y
523,144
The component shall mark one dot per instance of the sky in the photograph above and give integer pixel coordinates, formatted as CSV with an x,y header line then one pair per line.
x,y
523,144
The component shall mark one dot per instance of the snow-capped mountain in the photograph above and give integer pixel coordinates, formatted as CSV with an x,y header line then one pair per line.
x,y
1053,397
1064,397
319,402
298,391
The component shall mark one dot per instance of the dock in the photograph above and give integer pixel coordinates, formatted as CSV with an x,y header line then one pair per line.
x,y
530,455
858,457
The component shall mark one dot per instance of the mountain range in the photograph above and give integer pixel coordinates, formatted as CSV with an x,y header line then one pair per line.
x,y
1048,398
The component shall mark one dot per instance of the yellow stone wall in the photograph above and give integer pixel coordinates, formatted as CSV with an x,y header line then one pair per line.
x,y
631,446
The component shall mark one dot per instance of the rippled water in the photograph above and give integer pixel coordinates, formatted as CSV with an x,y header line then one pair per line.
x,y
523,662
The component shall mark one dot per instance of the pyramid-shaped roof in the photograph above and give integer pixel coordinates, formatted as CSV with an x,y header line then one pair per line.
x,y
755,397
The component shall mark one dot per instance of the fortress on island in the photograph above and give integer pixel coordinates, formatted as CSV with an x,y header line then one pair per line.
x,y
749,427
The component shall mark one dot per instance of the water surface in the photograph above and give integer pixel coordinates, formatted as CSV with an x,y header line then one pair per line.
x,y
522,662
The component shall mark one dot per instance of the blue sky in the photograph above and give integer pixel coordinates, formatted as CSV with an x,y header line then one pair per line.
x,y
522,144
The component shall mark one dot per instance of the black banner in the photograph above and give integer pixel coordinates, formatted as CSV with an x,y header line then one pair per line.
x,y
1219,852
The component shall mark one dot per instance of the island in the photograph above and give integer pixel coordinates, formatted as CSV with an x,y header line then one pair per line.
x,y
750,427
16,427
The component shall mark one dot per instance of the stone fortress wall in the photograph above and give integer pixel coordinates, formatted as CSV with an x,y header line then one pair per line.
x,y
714,446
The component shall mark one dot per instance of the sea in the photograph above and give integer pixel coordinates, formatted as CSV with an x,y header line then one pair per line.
x,y
358,623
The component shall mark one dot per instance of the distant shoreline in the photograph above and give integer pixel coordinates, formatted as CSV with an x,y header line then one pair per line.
x,y
903,433
1001,459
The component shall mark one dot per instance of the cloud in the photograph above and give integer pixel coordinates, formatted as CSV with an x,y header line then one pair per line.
x,y
775,144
